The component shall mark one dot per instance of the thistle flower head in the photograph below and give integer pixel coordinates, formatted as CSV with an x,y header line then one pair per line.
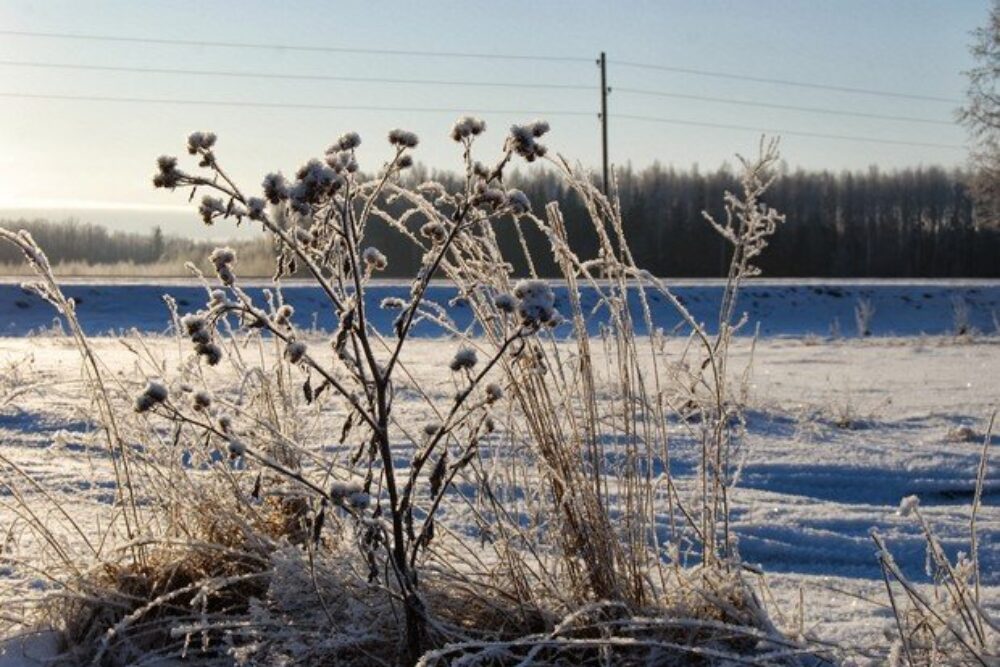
x,y
431,429
255,208
536,301
275,188
403,138
200,141
374,258
466,127
193,323
223,260
505,303
523,139
342,489
465,358
283,315
518,201
236,447
435,231
494,392
294,351
493,197
211,352
154,394
210,208
218,299
202,400
167,175
349,141
404,162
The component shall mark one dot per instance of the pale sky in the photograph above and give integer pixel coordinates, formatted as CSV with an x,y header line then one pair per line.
x,y
82,155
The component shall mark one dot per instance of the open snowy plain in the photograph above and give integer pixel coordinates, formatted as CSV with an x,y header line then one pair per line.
x,y
839,430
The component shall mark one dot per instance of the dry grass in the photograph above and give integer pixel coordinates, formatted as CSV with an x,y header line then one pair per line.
x,y
465,529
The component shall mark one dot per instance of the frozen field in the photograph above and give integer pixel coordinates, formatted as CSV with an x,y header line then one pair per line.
x,y
839,432
782,307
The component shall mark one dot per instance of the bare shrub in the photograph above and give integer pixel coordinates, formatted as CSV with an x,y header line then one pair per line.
x,y
289,509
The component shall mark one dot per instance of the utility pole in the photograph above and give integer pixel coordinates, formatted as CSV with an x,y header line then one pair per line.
x,y
603,63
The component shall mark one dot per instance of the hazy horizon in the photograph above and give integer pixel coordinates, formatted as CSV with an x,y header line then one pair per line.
x,y
71,138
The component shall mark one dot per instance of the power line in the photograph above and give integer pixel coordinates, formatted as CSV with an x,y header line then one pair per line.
x,y
295,77
793,133
357,107
788,107
785,82
287,105
293,47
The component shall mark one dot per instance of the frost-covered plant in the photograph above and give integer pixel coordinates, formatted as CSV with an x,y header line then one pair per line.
x,y
864,311
951,625
544,442
318,221
961,317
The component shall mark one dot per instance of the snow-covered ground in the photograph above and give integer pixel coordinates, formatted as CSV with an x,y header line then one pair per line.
x,y
839,431
782,307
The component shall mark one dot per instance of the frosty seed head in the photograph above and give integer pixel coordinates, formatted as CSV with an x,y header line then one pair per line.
x,y
494,392
522,139
167,175
435,231
202,400
275,188
222,257
493,197
294,351
908,506
255,208
404,162
303,236
156,391
210,208
403,138
466,127
431,429
349,141
236,447
143,403
193,323
465,358
225,423
505,303
518,201
218,299
210,351
393,303
201,337
374,258
539,128
480,170
340,490
200,141
536,303
555,320
154,394
283,316
359,500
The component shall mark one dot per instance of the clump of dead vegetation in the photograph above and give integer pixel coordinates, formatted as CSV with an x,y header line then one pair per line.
x,y
285,497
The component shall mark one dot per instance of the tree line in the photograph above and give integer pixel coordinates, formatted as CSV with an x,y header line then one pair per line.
x,y
917,222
